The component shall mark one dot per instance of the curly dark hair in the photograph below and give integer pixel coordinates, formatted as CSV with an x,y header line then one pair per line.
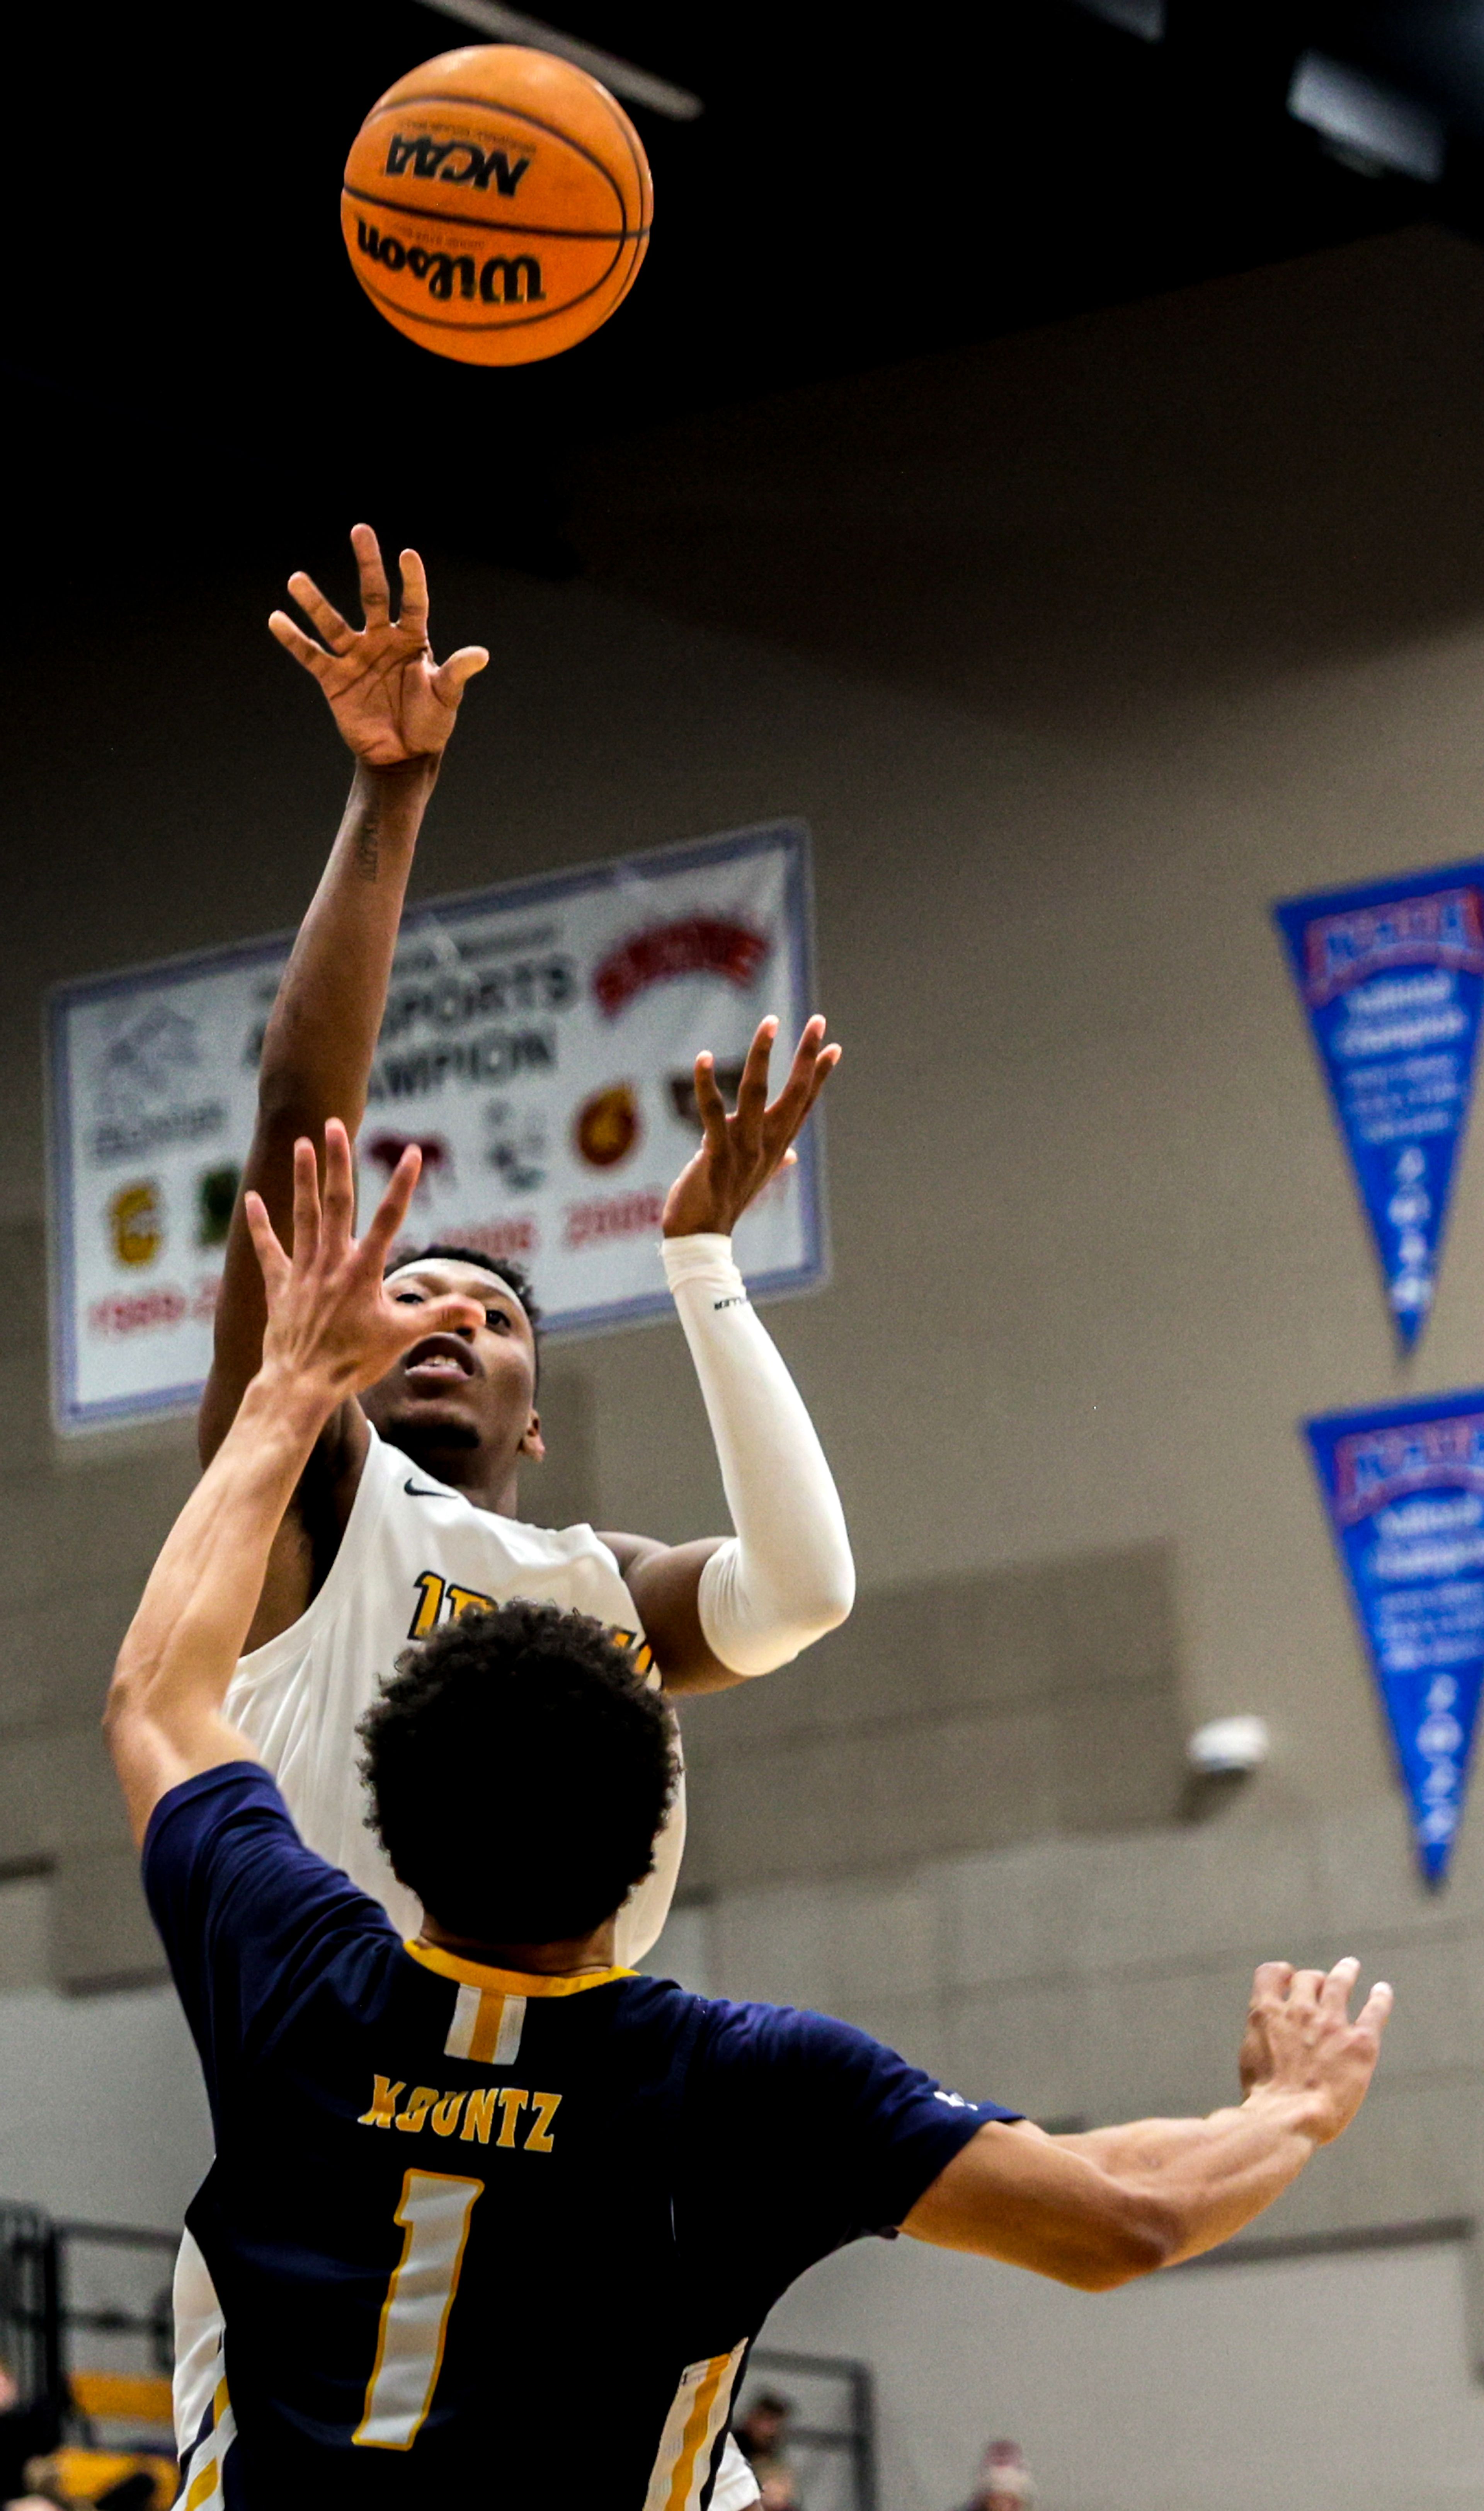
x,y
520,1771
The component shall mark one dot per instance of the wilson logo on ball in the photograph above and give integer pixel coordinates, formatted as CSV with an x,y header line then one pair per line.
x,y
505,278
456,161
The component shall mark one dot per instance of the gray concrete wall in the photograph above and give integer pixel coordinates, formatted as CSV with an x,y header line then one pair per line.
x,y
1307,2384
951,1714
102,2113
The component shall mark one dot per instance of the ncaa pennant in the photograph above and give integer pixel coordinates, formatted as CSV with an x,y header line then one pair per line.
x,y
1404,1490
1391,978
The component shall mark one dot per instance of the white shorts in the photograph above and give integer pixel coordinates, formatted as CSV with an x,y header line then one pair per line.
x,y
198,2342
736,2485
198,2360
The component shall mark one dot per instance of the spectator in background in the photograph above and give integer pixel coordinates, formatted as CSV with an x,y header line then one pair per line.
x,y
1004,2480
761,2435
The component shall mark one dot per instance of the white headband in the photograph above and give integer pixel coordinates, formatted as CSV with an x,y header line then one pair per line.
x,y
411,1263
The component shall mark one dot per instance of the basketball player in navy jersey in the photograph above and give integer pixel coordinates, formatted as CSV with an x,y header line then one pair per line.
x,y
491,2183
407,1510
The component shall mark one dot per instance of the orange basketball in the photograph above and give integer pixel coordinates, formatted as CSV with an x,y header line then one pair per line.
x,y
496,204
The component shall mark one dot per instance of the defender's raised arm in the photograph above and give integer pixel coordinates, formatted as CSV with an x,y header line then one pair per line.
x,y
395,709
331,1329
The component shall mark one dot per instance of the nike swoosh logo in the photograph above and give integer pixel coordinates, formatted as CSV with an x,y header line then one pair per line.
x,y
416,1493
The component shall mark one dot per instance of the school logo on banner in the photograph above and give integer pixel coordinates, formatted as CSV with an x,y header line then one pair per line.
x,y
1391,978
1404,1489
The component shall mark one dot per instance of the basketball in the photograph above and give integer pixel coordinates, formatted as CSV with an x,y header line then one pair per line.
x,y
496,204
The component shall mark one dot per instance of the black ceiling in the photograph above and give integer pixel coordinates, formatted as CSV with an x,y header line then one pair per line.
x,y
188,349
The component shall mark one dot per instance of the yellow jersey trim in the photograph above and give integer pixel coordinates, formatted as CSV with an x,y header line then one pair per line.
x,y
510,1983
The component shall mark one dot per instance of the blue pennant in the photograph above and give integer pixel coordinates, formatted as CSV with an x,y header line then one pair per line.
x,y
1404,1489
1391,978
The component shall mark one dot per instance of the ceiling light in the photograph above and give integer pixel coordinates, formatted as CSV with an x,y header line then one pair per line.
x,y
1144,18
513,27
1367,125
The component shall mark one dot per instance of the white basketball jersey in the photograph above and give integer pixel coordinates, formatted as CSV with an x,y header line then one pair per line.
x,y
413,1555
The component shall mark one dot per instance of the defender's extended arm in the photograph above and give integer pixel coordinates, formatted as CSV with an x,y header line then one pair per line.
x,y
331,1331
1097,2210
394,709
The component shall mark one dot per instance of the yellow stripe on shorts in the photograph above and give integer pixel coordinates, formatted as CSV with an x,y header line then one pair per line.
x,y
693,2428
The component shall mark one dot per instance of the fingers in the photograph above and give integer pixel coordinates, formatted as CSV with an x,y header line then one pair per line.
x,y
451,1315
757,1133
451,678
1374,2013
1277,1983
1335,1992
306,1203
823,1068
710,1105
291,638
414,595
806,1056
335,631
752,1091
813,1063
756,1129
271,1256
375,598
825,1065
392,1212
339,1200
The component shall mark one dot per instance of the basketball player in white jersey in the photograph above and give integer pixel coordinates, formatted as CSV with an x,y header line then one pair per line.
x,y
408,1511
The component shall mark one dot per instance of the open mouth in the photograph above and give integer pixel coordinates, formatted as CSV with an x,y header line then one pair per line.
x,y
440,1361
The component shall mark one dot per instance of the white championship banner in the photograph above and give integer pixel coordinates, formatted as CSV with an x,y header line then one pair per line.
x,y
539,1046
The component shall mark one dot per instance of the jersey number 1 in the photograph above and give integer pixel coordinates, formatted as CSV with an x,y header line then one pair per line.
x,y
434,2218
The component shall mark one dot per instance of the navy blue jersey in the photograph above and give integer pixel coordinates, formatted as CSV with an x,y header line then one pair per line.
x,y
479,2235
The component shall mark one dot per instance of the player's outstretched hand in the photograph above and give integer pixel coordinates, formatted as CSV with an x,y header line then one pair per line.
x,y
1300,2040
391,701
332,1327
739,1153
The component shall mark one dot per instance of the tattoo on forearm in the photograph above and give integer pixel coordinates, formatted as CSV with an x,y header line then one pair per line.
x,y
369,845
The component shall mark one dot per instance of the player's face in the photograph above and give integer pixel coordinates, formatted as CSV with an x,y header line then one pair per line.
x,y
474,1388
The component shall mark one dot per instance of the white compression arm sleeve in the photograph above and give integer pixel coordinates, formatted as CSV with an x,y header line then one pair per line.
x,y
785,1576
